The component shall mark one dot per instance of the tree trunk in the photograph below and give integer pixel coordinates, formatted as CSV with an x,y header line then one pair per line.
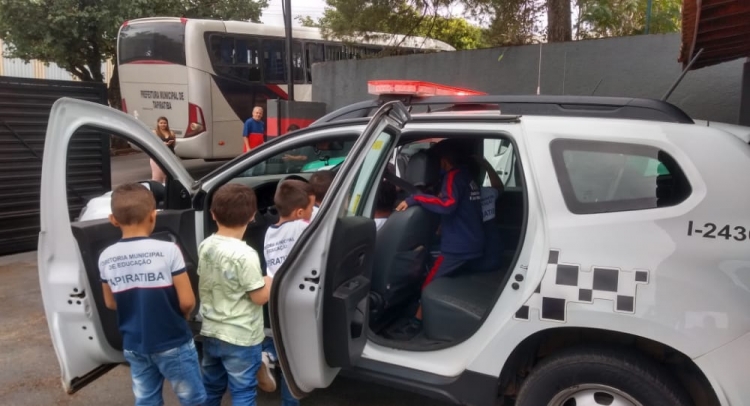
x,y
558,21
113,91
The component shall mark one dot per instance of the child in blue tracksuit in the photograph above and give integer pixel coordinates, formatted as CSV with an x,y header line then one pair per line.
x,y
462,234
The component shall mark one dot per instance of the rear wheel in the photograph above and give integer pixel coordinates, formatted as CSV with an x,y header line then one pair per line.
x,y
600,376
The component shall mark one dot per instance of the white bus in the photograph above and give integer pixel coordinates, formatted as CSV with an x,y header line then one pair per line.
x,y
205,76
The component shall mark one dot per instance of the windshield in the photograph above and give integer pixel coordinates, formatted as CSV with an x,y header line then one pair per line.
x,y
321,156
157,42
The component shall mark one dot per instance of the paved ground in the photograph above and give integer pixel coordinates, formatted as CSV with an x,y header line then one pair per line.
x,y
30,374
136,167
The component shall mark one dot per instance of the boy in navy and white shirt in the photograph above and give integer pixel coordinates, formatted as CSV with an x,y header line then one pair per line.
x,y
146,282
461,227
294,200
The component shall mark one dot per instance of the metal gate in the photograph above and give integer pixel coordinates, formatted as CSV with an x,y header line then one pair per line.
x,y
24,112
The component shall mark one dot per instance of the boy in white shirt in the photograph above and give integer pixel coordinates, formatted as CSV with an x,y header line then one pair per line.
x,y
294,201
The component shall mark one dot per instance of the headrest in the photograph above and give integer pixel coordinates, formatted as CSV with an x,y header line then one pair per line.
x,y
423,169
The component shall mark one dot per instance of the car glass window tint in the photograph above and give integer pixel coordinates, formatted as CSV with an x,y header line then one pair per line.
x,y
601,177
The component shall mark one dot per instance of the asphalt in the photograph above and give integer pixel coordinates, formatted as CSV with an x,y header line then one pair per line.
x,y
30,373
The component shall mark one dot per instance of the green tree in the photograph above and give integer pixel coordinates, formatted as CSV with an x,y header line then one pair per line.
x,y
346,19
617,18
513,22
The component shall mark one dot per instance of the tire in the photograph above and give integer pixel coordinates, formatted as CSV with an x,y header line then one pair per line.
x,y
600,376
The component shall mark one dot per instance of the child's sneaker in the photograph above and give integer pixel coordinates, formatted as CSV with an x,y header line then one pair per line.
x,y
266,381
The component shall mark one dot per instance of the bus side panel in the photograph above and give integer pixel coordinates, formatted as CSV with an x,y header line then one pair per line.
x,y
227,125
154,90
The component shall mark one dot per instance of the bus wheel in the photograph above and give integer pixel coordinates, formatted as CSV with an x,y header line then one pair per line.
x,y
600,376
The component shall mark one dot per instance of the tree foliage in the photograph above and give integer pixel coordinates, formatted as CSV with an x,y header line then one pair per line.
x,y
366,19
505,22
616,18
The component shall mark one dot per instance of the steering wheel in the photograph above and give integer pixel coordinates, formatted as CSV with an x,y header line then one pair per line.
x,y
293,177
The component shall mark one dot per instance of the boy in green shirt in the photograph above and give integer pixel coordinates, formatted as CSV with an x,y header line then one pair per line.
x,y
232,292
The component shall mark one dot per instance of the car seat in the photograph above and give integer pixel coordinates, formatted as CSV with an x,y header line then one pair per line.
x,y
402,245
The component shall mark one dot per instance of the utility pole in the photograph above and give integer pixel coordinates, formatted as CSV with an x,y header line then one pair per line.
x,y
649,6
287,9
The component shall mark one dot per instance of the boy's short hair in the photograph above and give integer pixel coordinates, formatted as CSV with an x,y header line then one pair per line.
x,y
387,195
132,203
292,195
450,150
321,181
234,205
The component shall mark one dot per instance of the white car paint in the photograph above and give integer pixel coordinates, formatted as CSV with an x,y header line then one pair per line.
x,y
694,297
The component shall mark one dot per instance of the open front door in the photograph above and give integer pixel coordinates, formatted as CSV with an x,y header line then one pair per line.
x,y
319,300
84,332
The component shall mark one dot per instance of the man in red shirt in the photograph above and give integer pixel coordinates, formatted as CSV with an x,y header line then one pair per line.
x,y
254,133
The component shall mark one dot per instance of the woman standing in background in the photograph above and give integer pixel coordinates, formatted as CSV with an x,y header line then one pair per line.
x,y
167,136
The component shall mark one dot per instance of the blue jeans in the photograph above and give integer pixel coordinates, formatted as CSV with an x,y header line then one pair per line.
x,y
178,365
286,396
226,364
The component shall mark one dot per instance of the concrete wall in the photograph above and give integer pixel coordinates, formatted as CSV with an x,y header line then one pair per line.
x,y
642,66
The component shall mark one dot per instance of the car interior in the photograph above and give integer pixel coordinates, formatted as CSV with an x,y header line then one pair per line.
x,y
453,307
406,246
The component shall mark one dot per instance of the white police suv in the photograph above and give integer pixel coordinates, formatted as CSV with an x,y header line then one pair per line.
x,y
623,272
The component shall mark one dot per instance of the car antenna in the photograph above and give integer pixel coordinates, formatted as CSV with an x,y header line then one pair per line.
x,y
597,86
679,79
539,79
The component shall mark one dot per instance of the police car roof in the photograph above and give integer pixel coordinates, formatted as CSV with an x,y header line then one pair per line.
x,y
514,106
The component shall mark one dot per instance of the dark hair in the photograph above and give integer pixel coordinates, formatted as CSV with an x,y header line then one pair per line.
x,y
234,205
321,181
292,195
449,150
292,127
132,203
387,195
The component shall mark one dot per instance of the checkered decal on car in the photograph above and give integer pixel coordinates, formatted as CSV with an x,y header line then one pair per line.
x,y
563,283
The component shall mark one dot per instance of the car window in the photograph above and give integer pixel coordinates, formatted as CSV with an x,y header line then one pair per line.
x,y
499,153
360,190
600,177
309,158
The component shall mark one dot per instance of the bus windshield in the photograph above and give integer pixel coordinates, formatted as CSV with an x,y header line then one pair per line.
x,y
157,42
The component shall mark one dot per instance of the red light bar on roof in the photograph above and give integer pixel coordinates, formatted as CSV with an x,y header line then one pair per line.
x,y
416,88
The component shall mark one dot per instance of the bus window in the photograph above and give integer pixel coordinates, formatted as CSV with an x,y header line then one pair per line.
x,y
315,53
273,61
334,53
298,63
157,41
247,59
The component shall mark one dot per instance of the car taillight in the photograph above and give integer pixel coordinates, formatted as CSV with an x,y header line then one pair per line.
x,y
196,121
124,106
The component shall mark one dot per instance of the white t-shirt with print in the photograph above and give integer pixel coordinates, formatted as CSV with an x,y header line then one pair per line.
x,y
314,212
489,198
279,242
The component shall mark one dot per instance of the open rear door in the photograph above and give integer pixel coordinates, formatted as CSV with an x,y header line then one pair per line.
x,y
84,332
319,300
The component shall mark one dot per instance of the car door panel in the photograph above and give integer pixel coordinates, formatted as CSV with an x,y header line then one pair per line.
x,y
319,297
348,274
93,237
80,339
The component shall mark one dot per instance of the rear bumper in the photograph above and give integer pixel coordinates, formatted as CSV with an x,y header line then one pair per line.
x,y
194,147
728,369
